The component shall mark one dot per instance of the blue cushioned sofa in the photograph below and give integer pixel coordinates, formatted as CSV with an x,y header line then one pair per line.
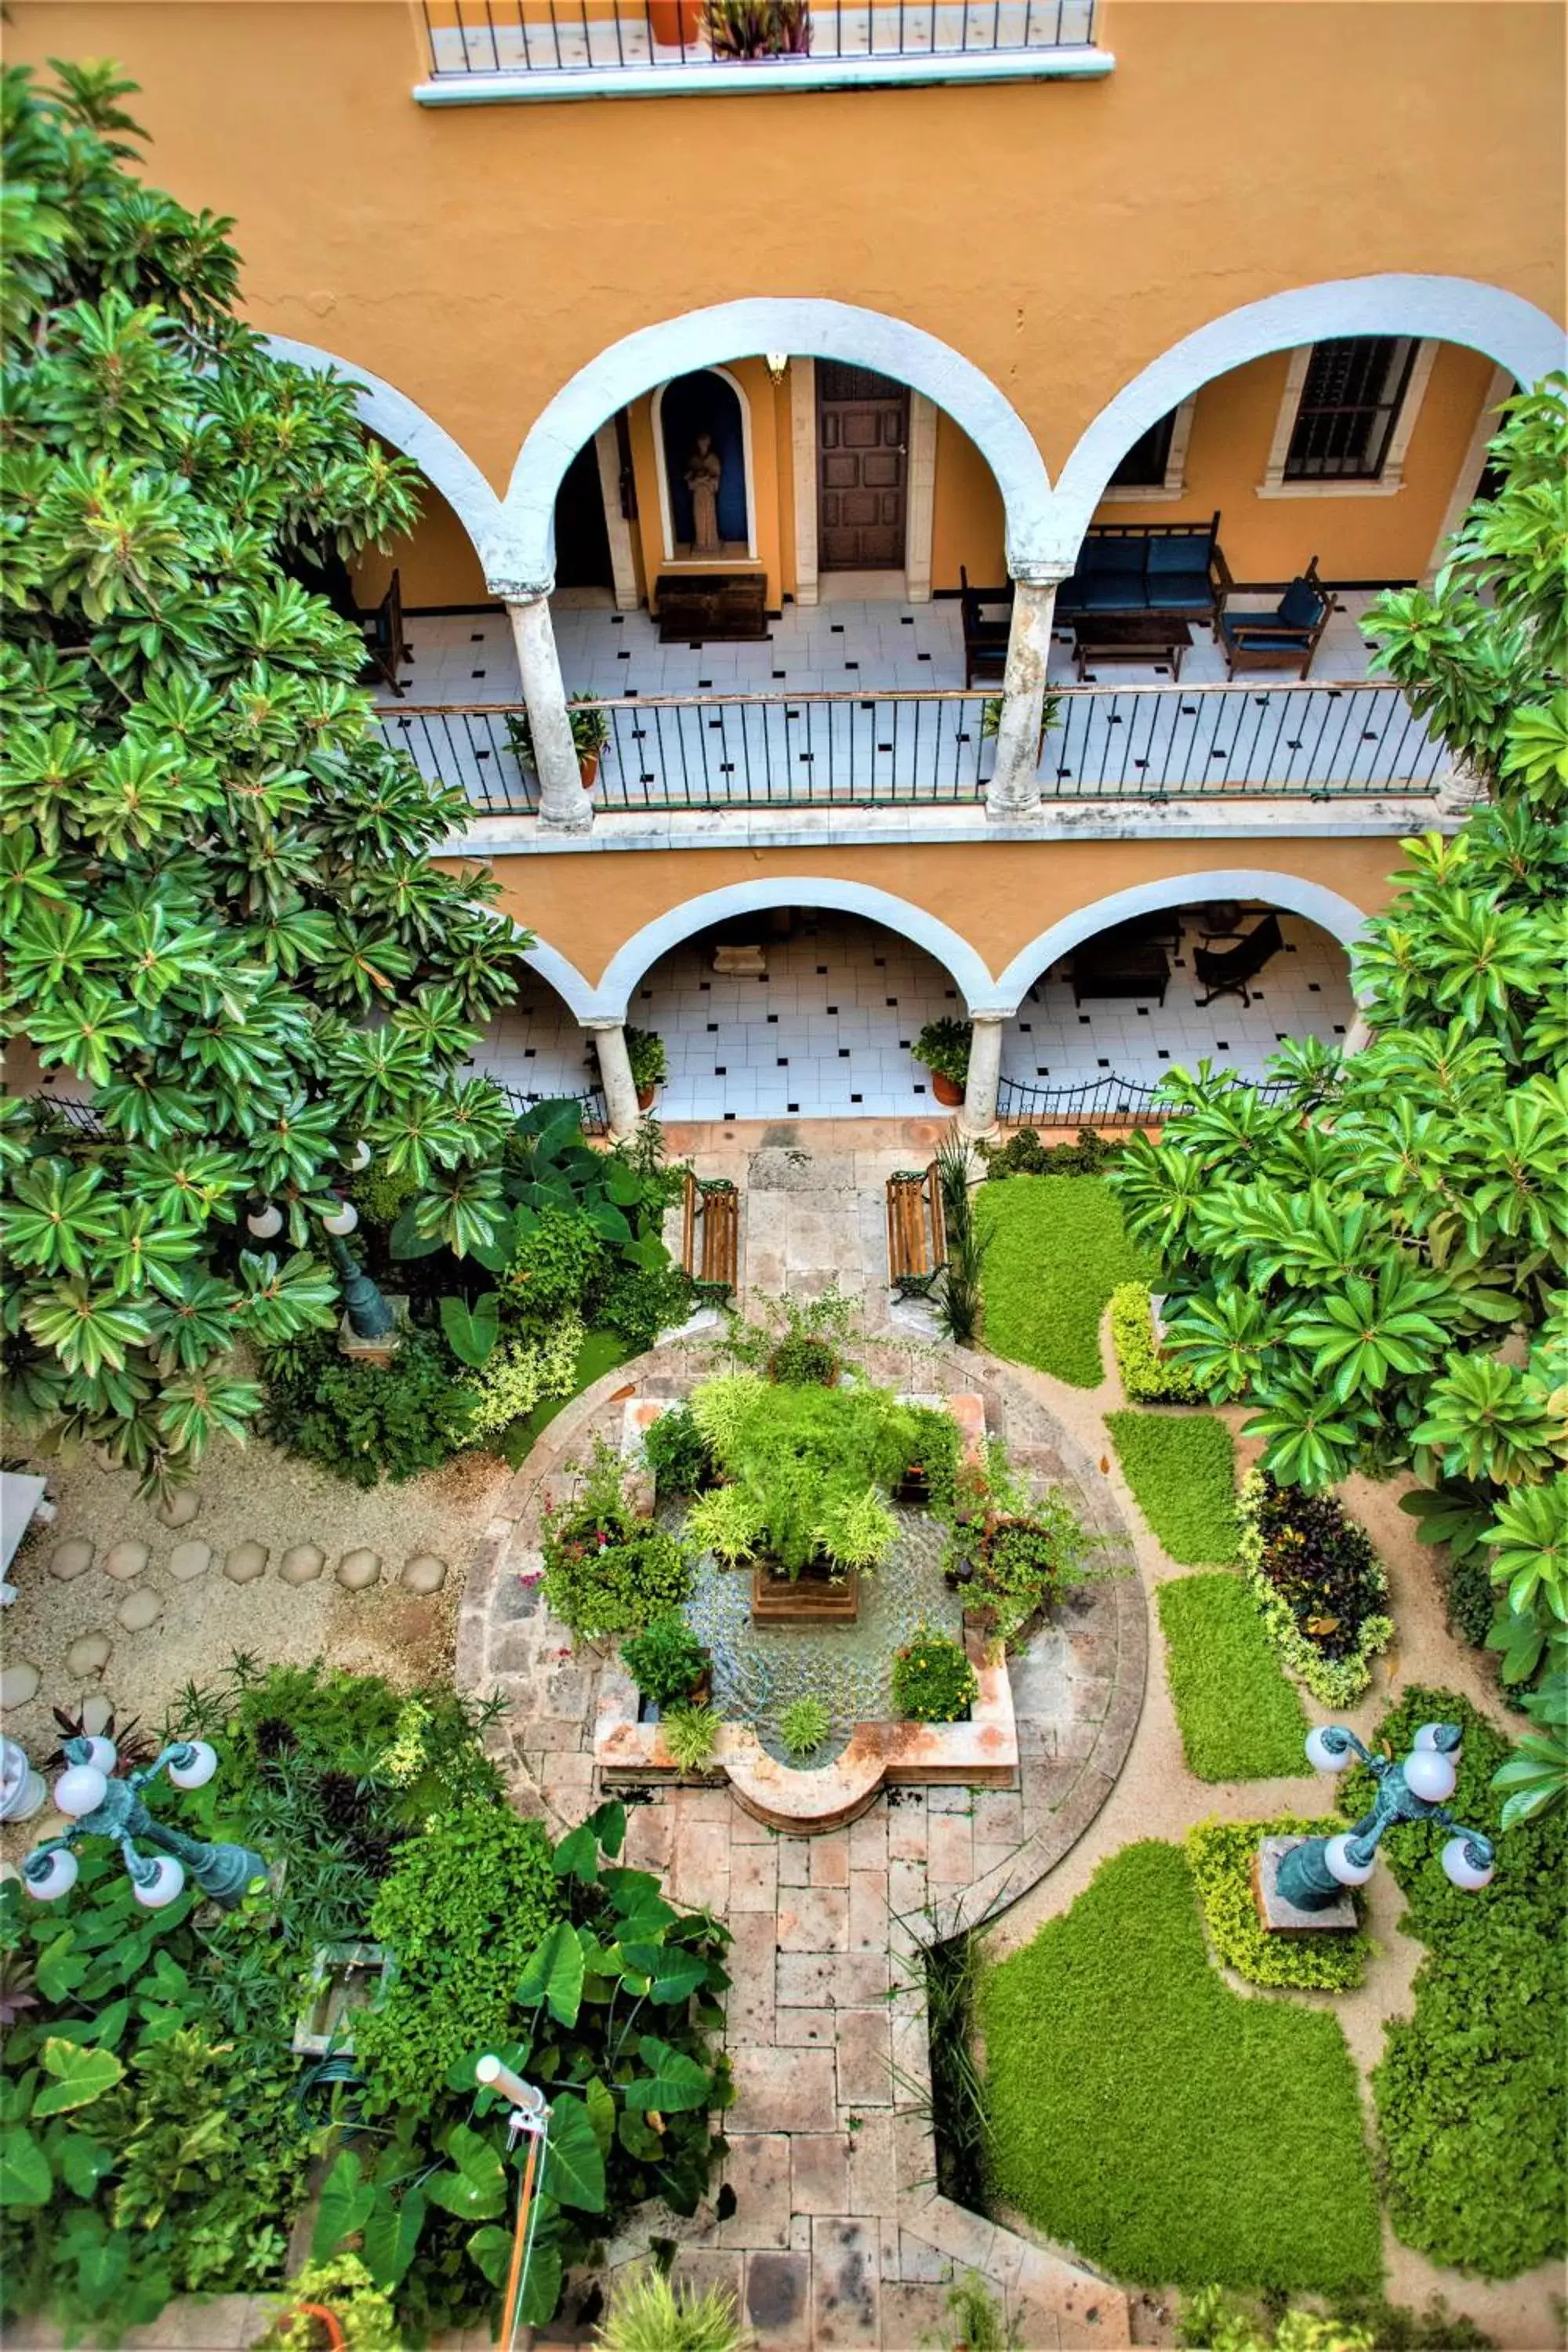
x,y
1148,567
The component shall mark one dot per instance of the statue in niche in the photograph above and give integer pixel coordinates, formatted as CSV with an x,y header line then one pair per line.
x,y
704,472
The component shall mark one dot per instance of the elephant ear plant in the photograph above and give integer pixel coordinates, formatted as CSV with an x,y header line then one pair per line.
x,y
222,919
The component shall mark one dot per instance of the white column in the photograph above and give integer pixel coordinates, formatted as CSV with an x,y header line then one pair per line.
x,y
1358,1037
978,1116
1015,787
616,1073
623,569
563,805
803,465
922,510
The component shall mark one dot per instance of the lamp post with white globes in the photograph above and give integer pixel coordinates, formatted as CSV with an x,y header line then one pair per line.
x,y
101,1807
1314,1875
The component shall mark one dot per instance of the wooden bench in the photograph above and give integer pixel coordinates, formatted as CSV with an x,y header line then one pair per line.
x,y
710,1237
384,645
917,1231
710,607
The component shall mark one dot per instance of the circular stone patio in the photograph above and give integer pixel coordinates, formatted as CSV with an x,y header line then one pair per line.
x,y
837,2234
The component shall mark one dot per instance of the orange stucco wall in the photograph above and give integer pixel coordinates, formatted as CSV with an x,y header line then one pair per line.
x,y
999,899
1060,235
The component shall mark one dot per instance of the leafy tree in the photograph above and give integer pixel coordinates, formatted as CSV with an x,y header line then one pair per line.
x,y
214,875
1377,1262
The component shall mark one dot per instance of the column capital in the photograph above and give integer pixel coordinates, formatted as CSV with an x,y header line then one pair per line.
x,y
1041,575
520,592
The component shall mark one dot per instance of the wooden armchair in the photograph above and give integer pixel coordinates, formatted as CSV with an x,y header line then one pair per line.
x,y
1285,639
1224,971
987,624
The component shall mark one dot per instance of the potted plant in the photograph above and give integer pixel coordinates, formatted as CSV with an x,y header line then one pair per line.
x,y
943,1047
650,1064
590,733
934,1682
675,23
803,1726
990,716
758,28
669,1665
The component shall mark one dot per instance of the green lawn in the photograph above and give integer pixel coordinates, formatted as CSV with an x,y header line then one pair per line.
x,y
1241,1720
1182,1469
1167,2128
1055,1249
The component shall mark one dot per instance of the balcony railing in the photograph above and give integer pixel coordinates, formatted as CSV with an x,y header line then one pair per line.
x,y
1105,1102
518,36
894,750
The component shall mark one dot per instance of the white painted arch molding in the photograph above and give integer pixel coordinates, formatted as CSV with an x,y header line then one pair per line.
x,y
403,424
1509,330
728,330
625,968
1340,918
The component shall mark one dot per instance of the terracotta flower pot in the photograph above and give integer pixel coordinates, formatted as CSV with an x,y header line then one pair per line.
x,y
946,1090
675,21
645,1098
588,769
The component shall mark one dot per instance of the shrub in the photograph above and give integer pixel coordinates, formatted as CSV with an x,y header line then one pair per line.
x,y
678,1453
641,1302
520,1371
665,1661
1022,1549
1211,2321
1024,1154
943,1046
1182,1474
934,1682
1221,1855
379,1195
1470,2094
691,1734
1318,1583
463,1907
1240,1720
599,1584
1146,1375
1469,1597
1022,1567
344,2288
554,1264
648,2315
365,1422
810,1469
1055,1249
803,1726
1191,2135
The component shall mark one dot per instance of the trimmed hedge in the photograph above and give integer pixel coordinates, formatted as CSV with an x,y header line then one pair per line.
x,y
1055,1249
1221,1855
1240,1720
1173,2132
1318,1583
1148,1377
1472,2090
1182,1473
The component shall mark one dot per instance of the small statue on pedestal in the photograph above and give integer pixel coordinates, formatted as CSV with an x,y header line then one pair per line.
x,y
704,472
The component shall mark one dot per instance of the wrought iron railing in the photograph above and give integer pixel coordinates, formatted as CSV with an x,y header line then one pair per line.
x,y
89,1121
891,749
468,37
1104,1102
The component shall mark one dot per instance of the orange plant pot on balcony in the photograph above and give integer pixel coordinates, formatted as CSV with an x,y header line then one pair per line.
x,y
676,23
946,1090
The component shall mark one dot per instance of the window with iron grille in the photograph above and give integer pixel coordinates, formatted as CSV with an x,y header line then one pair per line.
x,y
1349,407
1143,468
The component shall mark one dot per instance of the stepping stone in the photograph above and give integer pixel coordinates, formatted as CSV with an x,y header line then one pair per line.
x,y
359,1570
127,1560
18,1684
423,1573
68,1559
244,1562
181,1508
96,1712
88,1656
141,1609
190,1559
301,1564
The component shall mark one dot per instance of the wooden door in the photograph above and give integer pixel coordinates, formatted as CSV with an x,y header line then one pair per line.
x,y
862,457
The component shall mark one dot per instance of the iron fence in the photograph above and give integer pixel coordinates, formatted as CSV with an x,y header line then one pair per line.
x,y
89,1121
897,748
507,36
1105,1102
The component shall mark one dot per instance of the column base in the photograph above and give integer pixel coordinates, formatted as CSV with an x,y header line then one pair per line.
x,y
581,820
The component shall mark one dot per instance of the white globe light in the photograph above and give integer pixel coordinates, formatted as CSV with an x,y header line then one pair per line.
x,y
343,1220
1458,1867
264,1222
1430,1774
195,1774
168,1880
357,1156
57,1878
81,1789
102,1752
1427,1734
1337,1855
1322,1756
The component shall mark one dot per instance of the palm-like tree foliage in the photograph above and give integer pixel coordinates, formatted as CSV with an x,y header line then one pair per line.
x,y
221,913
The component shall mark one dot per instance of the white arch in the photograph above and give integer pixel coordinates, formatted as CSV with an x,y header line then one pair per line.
x,y
562,976
666,513
1489,319
1339,916
629,962
728,330
401,421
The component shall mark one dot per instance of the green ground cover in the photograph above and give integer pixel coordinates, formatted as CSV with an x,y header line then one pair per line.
x,y
1240,1718
1182,1470
1163,2126
1055,1249
598,1353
